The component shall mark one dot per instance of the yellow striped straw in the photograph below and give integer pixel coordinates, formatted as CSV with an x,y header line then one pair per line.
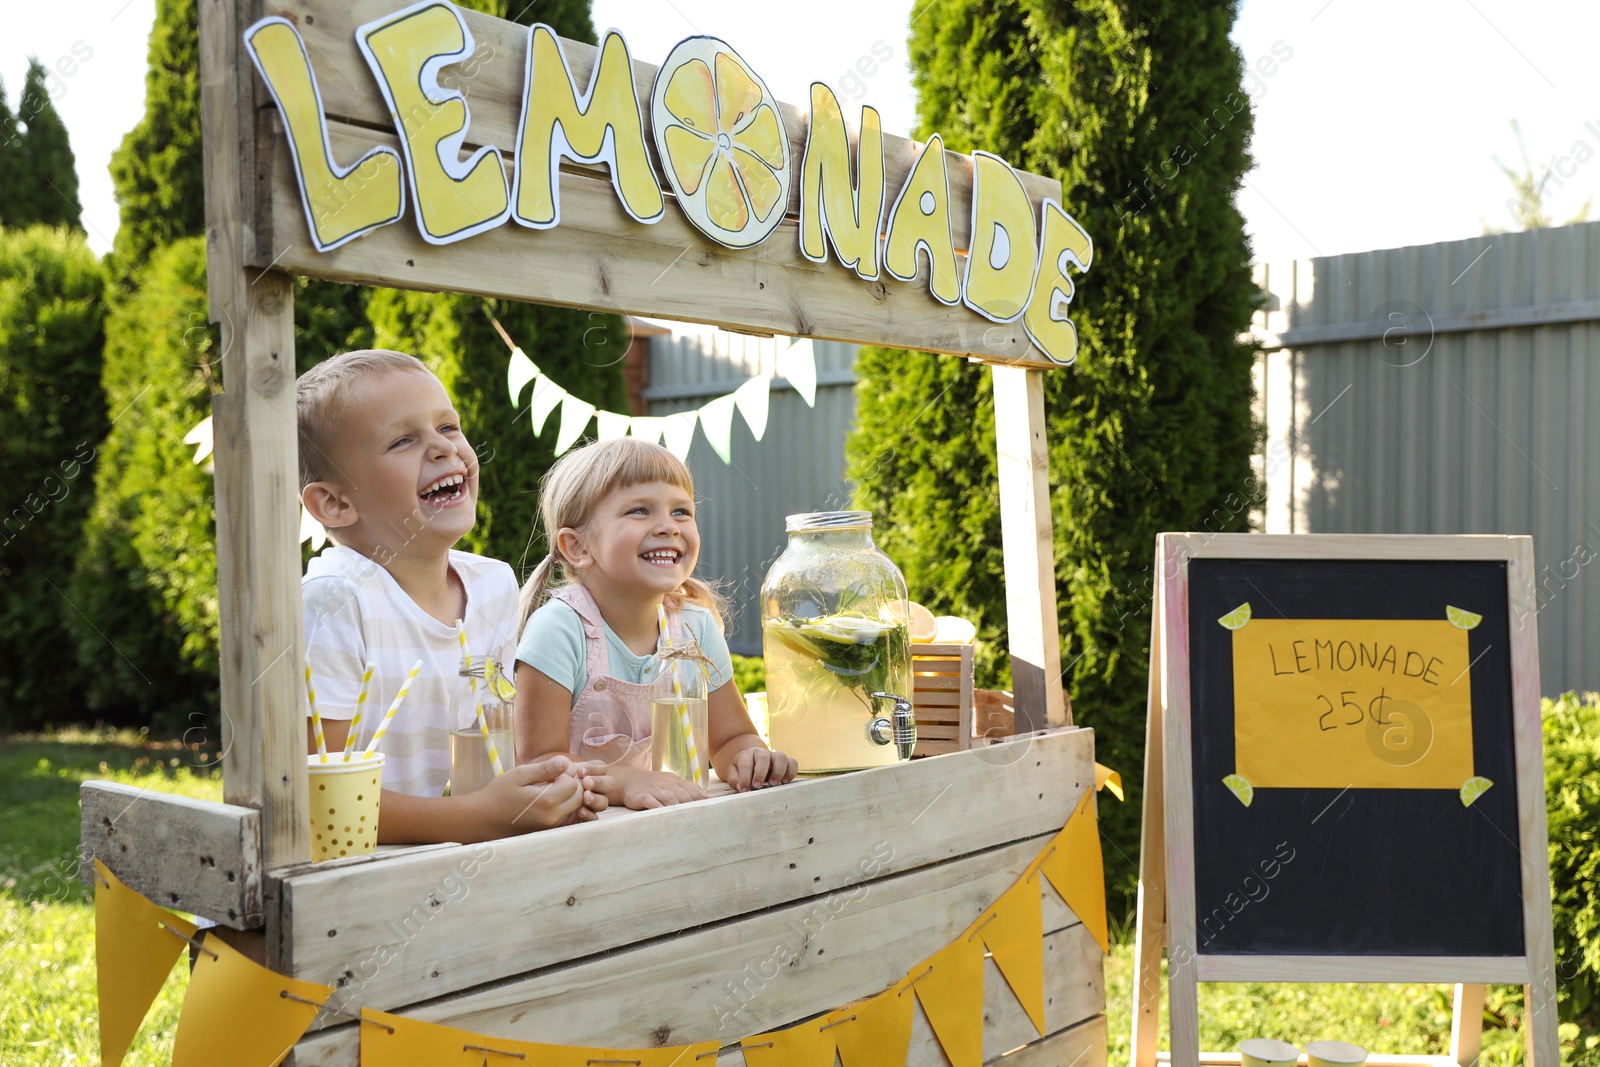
x,y
354,736
316,720
683,709
388,716
477,701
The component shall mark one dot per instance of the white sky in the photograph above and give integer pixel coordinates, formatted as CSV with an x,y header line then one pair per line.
x,y
1380,130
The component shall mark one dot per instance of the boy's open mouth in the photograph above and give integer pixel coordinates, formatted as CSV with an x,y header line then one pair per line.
x,y
662,557
446,491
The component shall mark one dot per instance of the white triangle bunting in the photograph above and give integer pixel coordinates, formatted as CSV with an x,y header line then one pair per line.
x,y
519,372
611,425
547,396
575,416
716,422
797,364
751,399
678,430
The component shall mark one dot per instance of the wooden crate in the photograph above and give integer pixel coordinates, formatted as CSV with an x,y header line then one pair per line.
x,y
942,694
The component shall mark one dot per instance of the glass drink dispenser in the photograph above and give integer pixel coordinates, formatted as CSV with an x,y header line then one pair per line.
x,y
837,644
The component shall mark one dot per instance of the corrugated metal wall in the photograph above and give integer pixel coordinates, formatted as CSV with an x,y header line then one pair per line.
x,y
798,465
1448,388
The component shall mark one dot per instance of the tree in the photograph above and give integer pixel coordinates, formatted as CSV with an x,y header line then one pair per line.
x,y
52,416
452,333
157,169
46,189
1138,107
1530,192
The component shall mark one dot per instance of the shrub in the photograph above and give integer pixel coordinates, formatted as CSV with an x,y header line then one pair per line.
x,y
1572,799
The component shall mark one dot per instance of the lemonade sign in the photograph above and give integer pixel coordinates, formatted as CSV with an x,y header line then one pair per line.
x,y
1352,703
724,150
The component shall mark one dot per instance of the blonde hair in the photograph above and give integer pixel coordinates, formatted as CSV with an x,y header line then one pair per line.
x,y
317,393
574,487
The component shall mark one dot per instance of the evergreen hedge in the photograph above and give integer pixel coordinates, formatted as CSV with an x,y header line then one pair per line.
x,y
1138,107
52,417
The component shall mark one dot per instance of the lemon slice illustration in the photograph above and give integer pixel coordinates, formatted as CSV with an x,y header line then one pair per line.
x,y
1461,618
1235,619
722,141
1472,789
1238,786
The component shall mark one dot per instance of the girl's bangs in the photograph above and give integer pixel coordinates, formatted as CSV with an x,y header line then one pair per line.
x,y
650,463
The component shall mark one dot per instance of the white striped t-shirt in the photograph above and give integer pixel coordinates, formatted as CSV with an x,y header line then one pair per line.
x,y
355,611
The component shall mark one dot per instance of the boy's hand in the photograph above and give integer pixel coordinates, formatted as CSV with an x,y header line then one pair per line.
x,y
533,796
757,767
642,790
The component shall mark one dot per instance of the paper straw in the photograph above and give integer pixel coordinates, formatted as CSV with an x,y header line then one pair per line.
x,y
477,700
683,709
354,736
316,720
405,687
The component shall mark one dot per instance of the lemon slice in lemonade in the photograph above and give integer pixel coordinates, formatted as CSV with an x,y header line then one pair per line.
x,y
1462,619
722,142
923,627
1235,619
1472,789
1239,787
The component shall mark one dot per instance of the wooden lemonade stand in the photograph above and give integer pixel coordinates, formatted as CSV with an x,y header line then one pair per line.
x,y
673,936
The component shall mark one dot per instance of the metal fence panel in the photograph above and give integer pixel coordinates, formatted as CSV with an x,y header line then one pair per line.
x,y
1447,388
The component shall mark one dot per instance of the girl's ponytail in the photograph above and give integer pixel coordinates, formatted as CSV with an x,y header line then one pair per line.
x,y
533,589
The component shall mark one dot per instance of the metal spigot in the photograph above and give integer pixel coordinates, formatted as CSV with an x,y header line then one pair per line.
x,y
902,730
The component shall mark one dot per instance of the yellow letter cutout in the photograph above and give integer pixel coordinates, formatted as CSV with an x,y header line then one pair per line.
x,y
603,125
849,216
1000,263
1061,241
925,226
341,204
455,198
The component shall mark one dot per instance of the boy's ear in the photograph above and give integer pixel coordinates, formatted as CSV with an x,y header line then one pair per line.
x,y
572,548
329,505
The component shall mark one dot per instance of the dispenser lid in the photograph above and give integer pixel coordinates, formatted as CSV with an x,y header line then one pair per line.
x,y
828,520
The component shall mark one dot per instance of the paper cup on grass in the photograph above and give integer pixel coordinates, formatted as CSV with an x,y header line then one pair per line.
x,y
344,805
1335,1054
1265,1052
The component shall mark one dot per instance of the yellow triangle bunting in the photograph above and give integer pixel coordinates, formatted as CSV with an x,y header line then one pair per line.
x,y
238,1012
949,985
396,1041
133,956
810,1044
1074,866
874,1032
1014,932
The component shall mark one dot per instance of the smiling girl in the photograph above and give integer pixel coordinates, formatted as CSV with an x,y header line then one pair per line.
x,y
619,519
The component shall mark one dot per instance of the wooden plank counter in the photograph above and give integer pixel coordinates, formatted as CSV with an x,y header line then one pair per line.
x,y
720,919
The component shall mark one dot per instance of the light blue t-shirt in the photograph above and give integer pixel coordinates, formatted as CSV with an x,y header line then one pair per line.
x,y
552,643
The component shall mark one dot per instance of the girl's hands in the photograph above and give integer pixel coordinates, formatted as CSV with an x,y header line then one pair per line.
x,y
642,790
537,796
756,767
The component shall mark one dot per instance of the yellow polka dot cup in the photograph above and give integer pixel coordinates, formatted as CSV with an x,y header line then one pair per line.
x,y
344,805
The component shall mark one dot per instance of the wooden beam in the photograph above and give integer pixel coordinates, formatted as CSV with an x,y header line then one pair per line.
x,y
1084,1043
1151,934
1439,969
599,259
258,557
1466,1025
184,854
774,968
1028,543
668,870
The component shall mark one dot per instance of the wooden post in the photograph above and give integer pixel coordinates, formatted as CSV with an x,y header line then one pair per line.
x,y
1151,933
258,550
1027,540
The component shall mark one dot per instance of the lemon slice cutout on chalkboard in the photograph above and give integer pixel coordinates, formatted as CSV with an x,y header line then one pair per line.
x,y
1235,619
1474,788
1236,782
1462,619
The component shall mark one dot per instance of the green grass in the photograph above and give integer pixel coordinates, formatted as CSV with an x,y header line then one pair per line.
x,y
47,970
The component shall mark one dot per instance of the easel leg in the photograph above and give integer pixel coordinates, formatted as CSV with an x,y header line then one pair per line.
x,y
1540,1025
1152,920
1466,1025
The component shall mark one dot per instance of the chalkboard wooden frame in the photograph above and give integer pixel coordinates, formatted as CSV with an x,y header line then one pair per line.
x,y
1167,859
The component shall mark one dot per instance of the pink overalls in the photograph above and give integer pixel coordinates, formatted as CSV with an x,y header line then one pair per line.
x,y
611,716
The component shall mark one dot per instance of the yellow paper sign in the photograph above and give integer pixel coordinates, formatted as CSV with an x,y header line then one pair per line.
x,y
1352,703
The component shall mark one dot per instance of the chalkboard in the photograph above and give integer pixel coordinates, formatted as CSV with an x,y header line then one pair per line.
x,y
1333,703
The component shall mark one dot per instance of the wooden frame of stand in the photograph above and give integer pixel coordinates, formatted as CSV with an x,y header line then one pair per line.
x,y
1166,908
243,863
